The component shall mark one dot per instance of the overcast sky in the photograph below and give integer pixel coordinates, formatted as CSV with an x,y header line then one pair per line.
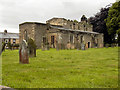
x,y
14,12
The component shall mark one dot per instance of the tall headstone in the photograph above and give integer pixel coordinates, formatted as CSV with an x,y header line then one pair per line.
x,y
23,53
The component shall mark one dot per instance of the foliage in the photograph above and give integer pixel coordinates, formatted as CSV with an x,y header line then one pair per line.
x,y
3,48
31,44
32,48
113,20
75,21
9,45
93,68
15,45
99,25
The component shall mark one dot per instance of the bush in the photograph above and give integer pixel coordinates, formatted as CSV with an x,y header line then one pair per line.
x,y
9,45
32,47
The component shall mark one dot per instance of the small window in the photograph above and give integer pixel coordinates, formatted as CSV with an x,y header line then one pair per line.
x,y
44,40
52,39
81,39
70,26
6,40
71,38
78,27
14,41
74,26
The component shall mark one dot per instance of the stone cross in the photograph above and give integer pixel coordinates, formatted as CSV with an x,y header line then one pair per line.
x,y
23,53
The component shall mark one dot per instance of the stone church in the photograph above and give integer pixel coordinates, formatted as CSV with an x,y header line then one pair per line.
x,y
61,33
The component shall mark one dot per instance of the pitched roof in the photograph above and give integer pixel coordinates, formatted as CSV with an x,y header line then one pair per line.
x,y
82,31
9,35
32,23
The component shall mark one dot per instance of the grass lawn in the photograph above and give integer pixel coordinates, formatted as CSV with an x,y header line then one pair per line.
x,y
92,68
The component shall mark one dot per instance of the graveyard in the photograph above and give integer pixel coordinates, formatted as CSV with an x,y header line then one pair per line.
x,y
92,68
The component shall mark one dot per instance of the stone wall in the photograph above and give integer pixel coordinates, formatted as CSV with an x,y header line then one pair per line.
x,y
83,25
30,28
68,39
40,32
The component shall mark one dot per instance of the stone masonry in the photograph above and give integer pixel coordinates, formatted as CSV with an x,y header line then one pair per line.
x,y
61,33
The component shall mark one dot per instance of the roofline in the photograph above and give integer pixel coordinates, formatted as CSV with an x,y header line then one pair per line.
x,y
32,23
8,33
75,30
55,18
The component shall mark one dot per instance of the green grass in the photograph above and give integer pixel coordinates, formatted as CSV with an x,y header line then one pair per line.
x,y
92,68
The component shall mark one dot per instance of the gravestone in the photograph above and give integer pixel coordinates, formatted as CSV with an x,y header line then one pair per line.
x,y
82,46
45,46
78,46
58,46
23,53
68,45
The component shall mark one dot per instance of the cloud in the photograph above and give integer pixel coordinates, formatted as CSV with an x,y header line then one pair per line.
x,y
14,12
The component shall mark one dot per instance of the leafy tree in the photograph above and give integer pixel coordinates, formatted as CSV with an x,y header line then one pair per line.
x,y
99,25
9,45
75,21
113,21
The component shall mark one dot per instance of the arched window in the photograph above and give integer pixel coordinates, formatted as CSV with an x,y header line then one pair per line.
x,y
25,35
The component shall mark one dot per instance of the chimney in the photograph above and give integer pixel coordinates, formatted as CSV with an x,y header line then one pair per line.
x,y
5,31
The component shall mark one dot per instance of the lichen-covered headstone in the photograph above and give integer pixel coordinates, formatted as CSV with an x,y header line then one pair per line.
x,y
23,53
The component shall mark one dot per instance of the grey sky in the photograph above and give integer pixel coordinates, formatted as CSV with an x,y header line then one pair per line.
x,y
14,12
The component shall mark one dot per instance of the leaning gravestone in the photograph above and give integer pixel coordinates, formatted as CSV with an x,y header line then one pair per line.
x,y
23,53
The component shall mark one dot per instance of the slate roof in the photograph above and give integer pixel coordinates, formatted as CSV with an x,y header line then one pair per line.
x,y
82,31
9,35
32,23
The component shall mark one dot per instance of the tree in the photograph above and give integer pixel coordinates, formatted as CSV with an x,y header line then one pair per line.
x,y
113,21
75,21
99,25
9,45
3,48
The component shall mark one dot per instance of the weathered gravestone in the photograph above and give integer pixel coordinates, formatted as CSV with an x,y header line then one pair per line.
x,y
82,46
78,46
23,53
45,46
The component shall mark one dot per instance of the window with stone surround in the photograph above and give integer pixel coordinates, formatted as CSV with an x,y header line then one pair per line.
x,y
14,41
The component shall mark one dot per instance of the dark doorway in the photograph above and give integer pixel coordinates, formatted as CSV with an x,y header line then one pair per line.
x,y
88,44
44,40
53,41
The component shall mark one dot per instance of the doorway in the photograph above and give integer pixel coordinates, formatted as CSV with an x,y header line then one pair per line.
x,y
88,44
53,41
